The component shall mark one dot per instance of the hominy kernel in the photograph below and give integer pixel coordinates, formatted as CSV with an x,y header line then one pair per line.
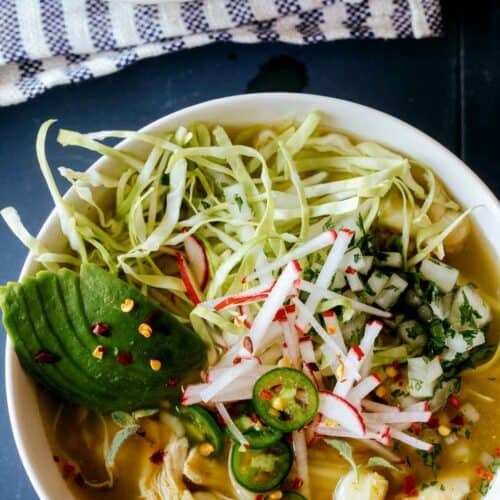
x,y
381,391
206,449
155,364
331,423
275,495
444,430
127,305
391,372
145,330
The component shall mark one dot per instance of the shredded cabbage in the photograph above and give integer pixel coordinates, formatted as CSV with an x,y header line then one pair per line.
x,y
248,198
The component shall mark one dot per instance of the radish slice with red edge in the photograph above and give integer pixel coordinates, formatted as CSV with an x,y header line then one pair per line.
x,y
299,444
402,417
367,404
274,301
313,245
232,426
363,388
239,370
410,440
192,289
341,411
333,346
198,260
309,363
333,329
325,276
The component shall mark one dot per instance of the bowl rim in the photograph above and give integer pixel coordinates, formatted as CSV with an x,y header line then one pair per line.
x,y
36,477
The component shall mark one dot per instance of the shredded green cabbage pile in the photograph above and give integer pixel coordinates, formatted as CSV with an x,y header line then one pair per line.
x,y
249,197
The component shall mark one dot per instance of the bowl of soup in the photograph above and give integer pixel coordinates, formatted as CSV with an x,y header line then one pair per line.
x,y
261,296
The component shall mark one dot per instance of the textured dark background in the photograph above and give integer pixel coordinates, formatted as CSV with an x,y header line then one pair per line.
x,y
447,87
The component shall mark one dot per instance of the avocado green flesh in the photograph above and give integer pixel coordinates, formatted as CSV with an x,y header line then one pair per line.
x,y
55,312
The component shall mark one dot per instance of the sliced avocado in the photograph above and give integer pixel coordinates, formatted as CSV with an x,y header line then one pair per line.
x,y
55,312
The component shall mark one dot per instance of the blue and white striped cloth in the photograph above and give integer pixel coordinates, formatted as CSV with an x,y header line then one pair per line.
x,y
44,43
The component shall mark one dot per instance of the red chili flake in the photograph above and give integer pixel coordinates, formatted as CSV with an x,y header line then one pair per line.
x,y
297,483
458,420
124,358
248,344
433,422
171,382
395,364
410,487
157,457
497,452
68,470
151,317
46,357
56,459
276,387
79,481
454,401
350,270
100,329
416,428
266,395
300,330
260,497
483,473
312,366
237,360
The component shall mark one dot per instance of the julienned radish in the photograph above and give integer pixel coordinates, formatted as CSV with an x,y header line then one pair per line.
x,y
198,260
188,279
342,412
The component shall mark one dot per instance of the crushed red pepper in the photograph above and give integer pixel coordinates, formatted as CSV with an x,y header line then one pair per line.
x,y
454,401
458,420
151,317
171,382
101,329
124,358
410,487
68,470
157,457
312,366
297,483
46,357
248,344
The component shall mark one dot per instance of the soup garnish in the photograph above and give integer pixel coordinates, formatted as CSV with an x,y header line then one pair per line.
x,y
250,313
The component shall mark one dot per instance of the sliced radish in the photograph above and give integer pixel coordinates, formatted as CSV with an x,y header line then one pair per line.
x,y
309,287
333,329
332,345
342,411
189,281
310,366
292,343
255,294
372,330
231,425
384,452
367,404
344,385
382,431
324,430
326,274
299,443
214,373
402,417
363,388
321,241
410,440
198,260
239,390
274,301
243,368
355,282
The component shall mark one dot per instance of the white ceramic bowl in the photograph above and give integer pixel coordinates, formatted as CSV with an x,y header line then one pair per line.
x,y
353,118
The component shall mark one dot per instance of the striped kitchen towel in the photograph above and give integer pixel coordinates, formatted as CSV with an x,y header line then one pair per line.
x,y
44,43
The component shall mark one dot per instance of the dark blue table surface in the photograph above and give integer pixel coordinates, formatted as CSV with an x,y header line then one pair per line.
x,y
448,87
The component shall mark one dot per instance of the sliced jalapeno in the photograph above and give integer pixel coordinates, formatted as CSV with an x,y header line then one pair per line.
x,y
201,427
261,470
285,399
255,431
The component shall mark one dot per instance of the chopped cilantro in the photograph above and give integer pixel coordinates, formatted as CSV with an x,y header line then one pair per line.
x,y
328,224
415,331
165,179
369,290
468,314
467,433
239,200
205,204
430,457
